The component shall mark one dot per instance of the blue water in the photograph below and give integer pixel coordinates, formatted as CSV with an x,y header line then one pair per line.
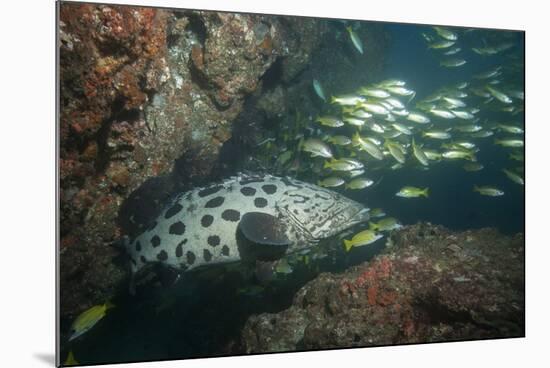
x,y
452,202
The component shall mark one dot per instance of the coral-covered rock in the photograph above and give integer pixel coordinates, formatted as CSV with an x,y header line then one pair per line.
x,y
147,99
429,285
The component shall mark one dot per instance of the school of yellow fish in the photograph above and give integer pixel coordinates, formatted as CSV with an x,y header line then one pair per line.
x,y
384,126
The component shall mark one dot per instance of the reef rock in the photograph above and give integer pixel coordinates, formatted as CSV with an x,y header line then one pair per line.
x,y
147,99
428,285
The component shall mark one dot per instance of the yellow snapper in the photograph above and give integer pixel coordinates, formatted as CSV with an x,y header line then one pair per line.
x,y
343,164
355,39
432,155
401,128
340,140
316,147
509,142
331,182
498,94
445,114
359,183
418,118
346,100
368,146
462,114
446,33
372,107
396,151
365,237
373,92
87,319
330,121
443,44
452,63
412,192
510,129
513,176
459,154
386,224
419,154
319,89
377,212
488,191
437,134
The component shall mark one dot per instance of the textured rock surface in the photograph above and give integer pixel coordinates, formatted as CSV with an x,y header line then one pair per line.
x,y
147,99
430,285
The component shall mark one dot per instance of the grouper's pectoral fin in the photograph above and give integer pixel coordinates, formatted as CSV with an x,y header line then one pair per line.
x,y
261,237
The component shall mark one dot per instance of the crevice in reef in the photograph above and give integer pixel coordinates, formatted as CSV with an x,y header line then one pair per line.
x,y
102,135
197,26
273,75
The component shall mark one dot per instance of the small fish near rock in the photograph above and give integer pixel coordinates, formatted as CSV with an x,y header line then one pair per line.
x,y
251,218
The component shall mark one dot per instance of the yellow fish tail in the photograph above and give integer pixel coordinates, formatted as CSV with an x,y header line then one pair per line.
x,y
348,245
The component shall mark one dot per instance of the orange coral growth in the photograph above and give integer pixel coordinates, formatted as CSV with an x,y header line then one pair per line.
x,y
372,292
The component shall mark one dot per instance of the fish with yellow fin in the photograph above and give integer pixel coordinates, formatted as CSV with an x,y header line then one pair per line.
x,y
88,319
70,359
364,237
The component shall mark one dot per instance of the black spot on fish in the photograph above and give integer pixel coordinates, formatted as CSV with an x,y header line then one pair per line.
x,y
133,261
225,250
214,202
295,211
138,246
231,215
192,208
190,257
142,259
207,220
213,240
177,228
184,241
248,191
172,211
269,188
162,256
155,241
207,255
179,250
207,191
260,202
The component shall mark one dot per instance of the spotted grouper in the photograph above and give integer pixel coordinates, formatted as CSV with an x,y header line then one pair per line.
x,y
247,217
